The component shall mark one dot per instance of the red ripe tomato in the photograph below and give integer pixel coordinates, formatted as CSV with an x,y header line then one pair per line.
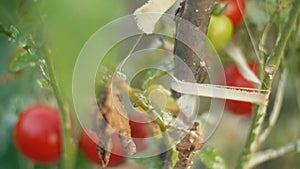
x,y
235,11
88,143
37,133
139,131
235,78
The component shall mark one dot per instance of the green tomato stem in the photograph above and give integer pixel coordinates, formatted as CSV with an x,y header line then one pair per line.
x,y
276,108
69,146
270,69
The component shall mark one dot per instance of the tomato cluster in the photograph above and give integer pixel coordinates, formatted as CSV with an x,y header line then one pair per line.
x,y
37,135
221,26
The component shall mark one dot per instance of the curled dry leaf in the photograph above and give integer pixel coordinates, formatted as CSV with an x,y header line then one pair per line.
x,y
113,118
104,145
148,15
191,143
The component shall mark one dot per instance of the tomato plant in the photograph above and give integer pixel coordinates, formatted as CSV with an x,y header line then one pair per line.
x,y
235,78
37,133
88,142
139,132
235,11
37,44
219,31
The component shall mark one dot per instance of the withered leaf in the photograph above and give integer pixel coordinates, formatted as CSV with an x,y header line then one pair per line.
x,y
191,143
116,116
104,145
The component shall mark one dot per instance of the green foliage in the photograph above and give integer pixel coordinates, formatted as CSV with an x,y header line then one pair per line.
x,y
211,158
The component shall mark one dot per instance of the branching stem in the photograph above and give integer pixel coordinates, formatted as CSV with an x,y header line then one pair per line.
x,y
270,69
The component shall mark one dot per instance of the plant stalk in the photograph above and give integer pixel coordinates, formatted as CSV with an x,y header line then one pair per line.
x,y
270,69
277,107
69,146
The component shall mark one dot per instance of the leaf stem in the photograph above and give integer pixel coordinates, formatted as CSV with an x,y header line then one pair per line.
x,y
270,69
69,146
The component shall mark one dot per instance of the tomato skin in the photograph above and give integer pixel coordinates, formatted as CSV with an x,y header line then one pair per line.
x,y
88,143
235,78
220,31
139,131
235,11
37,134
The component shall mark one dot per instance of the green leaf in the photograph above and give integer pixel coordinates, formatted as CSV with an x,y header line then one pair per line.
x,y
174,157
211,158
44,84
151,75
23,61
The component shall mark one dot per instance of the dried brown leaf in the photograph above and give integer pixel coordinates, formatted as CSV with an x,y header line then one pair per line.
x,y
115,114
104,145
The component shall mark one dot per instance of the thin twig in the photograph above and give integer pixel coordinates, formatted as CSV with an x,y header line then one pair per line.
x,y
266,155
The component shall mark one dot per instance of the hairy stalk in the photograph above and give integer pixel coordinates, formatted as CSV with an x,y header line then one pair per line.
x,y
69,146
298,91
270,69
277,107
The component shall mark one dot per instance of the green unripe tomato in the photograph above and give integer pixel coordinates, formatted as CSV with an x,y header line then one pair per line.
x,y
220,31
